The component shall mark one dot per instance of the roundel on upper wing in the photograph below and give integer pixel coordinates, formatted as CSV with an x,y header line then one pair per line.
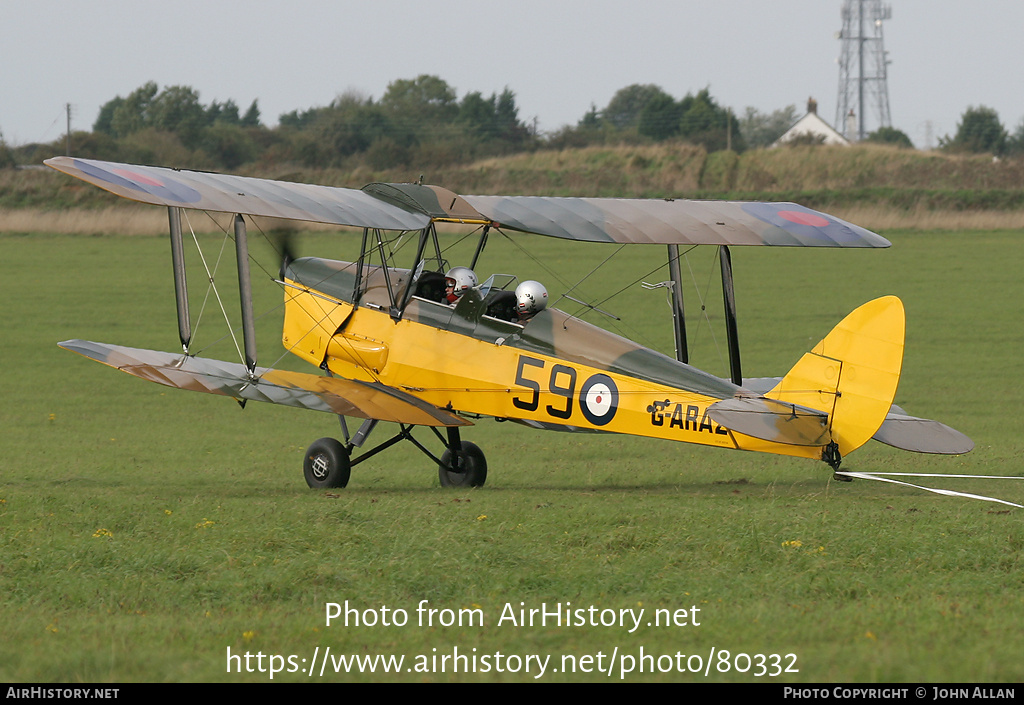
x,y
803,222
599,399
156,185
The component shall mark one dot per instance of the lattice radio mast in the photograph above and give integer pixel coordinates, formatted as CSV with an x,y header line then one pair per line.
x,y
863,90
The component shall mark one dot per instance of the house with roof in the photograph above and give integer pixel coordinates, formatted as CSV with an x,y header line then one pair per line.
x,y
812,125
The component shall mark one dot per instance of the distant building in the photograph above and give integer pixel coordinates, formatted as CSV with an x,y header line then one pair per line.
x,y
812,125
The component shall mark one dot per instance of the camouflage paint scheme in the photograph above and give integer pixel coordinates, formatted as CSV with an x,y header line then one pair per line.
x,y
430,361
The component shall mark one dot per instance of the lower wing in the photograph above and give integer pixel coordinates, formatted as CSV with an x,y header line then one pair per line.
x,y
347,397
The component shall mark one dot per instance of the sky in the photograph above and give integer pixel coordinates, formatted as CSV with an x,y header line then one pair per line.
x,y
559,57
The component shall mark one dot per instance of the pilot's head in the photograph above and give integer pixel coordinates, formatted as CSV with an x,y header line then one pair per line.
x,y
457,281
531,298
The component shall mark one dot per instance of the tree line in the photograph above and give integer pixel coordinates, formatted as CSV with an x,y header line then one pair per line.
x,y
422,122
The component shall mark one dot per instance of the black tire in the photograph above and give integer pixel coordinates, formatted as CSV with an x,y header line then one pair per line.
x,y
326,464
470,468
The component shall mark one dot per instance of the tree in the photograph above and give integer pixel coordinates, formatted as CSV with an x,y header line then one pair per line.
x,y
105,120
477,114
6,156
703,122
890,135
177,109
348,126
805,139
426,101
506,117
763,129
979,131
228,145
1015,143
659,118
591,118
623,110
225,113
132,114
252,115
494,118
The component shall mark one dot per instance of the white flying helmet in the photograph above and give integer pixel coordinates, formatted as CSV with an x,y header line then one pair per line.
x,y
531,298
460,279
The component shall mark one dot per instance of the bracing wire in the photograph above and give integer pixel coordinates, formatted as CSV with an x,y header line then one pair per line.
x,y
702,297
619,325
212,286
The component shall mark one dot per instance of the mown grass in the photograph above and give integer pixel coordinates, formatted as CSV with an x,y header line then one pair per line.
x,y
145,531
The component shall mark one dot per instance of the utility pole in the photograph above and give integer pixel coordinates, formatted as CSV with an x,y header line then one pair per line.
x,y
728,129
863,87
67,108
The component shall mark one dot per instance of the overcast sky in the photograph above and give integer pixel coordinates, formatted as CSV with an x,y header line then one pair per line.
x,y
558,56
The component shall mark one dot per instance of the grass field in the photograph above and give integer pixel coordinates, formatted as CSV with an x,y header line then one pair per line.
x,y
145,532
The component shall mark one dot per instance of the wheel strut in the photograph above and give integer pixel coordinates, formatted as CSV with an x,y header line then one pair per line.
x,y
328,461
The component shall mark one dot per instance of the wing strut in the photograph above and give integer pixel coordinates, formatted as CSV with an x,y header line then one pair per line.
x,y
180,282
480,247
424,234
729,295
245,294
678,316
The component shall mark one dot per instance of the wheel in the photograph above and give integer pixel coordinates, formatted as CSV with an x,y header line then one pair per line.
x,y
470,467
326,464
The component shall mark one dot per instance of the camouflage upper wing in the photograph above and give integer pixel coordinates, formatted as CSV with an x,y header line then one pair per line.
x,y
240,194
670,221
414,206
336,395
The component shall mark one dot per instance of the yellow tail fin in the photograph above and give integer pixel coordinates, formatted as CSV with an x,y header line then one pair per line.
x,y
852,374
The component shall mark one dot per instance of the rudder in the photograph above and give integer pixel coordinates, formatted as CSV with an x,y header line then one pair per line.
x,y
852,374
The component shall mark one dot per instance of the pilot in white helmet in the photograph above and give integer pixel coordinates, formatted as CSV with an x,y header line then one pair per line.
x,y
531,299
457,281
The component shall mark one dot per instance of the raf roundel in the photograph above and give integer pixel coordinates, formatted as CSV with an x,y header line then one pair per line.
x,y
599,399
812,219
804,225
138,180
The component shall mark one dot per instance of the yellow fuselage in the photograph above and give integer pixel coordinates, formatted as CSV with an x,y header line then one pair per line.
x,y
497,374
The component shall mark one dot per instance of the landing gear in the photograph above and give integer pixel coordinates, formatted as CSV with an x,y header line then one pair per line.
x,y
465,468
830,454
327,464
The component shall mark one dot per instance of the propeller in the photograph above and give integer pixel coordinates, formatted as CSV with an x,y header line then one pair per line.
x,y
284,241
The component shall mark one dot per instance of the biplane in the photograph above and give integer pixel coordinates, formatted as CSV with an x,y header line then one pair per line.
x,y
383,335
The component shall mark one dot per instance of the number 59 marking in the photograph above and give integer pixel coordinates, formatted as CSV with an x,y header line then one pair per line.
x,y
598,395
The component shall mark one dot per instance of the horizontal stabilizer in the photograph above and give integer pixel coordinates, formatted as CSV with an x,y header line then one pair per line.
x,y
771,420
899,429
336,395
922,435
